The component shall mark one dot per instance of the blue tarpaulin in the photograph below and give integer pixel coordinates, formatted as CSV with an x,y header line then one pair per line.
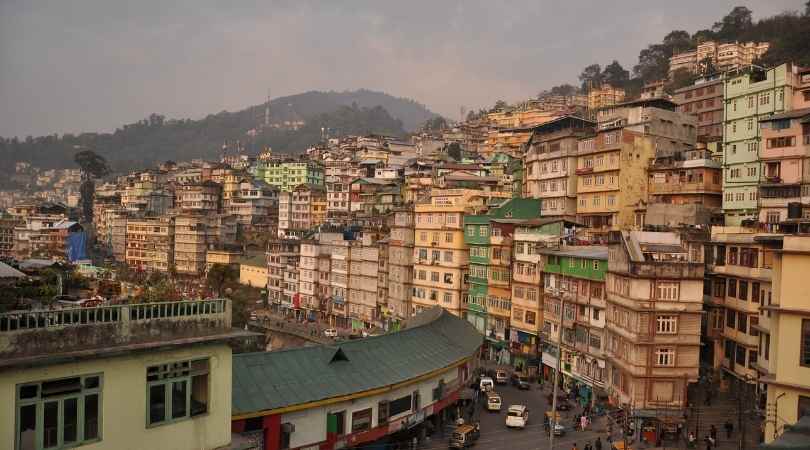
x,y
76,245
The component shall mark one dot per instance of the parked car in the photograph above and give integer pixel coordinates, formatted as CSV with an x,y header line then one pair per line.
x,y
517,416
486,384
523,384
330,333
464,436
493,401
520,381
501,377
559,429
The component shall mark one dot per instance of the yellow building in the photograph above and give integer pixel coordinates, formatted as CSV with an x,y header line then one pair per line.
x,y
605,95
150,244
121,378
253,271
787,355
440,255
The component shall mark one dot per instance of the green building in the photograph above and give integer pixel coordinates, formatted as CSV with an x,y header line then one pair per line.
x,y
489,238
750,95
286,175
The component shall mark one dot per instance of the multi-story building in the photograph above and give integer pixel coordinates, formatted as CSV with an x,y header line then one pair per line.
x,y
340,255
7,224
118,238
225,255
785,158
612,167
301,209
255,206
363,268
439,254
282,269
194,234
150,244
373,196
751,96
339,174
48,236
309,277
202,198
489,240
740,270
685,188
785,339
704,100
654,306
710,57
400,261
604,96
574,303
287,174
550,163
64,382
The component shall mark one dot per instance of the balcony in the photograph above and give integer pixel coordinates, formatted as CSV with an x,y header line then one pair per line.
x,y
684,188
666,269
584,170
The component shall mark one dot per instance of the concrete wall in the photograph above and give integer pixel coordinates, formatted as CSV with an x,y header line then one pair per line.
x,y
124,409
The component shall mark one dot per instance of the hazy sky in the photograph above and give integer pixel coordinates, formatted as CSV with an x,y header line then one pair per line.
x,y
92,65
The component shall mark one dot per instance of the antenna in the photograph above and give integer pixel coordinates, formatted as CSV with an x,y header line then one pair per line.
x,y
462,110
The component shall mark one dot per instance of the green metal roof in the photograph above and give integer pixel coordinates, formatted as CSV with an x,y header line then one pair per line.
x,y
432,340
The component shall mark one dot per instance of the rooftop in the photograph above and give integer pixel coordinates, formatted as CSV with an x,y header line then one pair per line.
x,y
578,251
266,381
44,337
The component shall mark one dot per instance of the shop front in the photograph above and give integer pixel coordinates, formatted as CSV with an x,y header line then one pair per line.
x,y
524,349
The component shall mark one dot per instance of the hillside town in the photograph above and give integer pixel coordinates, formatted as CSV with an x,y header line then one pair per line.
x,y
634,262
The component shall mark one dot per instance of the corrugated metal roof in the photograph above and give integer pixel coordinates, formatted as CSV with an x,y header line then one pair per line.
x,y
271,380
7,271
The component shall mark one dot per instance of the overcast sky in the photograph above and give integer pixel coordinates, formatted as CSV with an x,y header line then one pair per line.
x,y
92,65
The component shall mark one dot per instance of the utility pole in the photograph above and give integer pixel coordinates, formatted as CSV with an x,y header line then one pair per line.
x,y
553,419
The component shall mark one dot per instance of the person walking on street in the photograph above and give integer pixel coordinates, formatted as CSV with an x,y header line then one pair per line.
x,y
713,433
587,446
598,444
729,428
574,446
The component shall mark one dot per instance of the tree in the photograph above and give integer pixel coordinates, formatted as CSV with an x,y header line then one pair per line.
x,y
701,36
653,63
437,123
454,151
680,78
219,276
591,76
615,75
563,89
92,166
807,8
734,24
677,41
499,105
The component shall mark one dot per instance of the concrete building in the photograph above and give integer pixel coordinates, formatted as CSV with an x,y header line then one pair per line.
x,y
340,172
786,339
45,236
751,96
704,100
740,272
685,188
604,96
7,225
255,206
226,255
612,167
711,56
282,273
654,306
373,196
200,198
301,209
400,261
64,381
786,165
489,240
363,271
194,234
288,174
550,164
150,244
575,311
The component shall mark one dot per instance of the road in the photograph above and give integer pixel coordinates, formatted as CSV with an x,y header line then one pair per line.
x,y
495,435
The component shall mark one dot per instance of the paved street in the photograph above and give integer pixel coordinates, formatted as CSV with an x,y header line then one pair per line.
x,y
495,435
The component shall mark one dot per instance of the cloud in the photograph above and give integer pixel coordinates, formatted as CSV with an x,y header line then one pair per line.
x,y
90,65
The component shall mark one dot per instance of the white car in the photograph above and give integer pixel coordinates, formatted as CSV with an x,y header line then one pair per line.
x,y
330,333
501,377
486,384
517,416
493,401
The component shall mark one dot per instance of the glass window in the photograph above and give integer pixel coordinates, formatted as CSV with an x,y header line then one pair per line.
x,y
177,391
69,410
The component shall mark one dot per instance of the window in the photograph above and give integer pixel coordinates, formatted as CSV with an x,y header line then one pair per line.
x,y
804,355
742,322
743,291
336,423
666,324
665,357
470,230
448,237
447,298
483,231
530,317
361,420
667,291
595,265
731,317
740,355
434,277
732,288
176,391
69,411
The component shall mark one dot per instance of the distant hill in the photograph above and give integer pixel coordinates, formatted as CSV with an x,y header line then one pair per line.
x,y
156,138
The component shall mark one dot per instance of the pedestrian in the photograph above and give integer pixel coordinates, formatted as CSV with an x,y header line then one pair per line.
x,y
680,430
729,428
583,421
587,446
574,447
713,433
598,444
708,443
